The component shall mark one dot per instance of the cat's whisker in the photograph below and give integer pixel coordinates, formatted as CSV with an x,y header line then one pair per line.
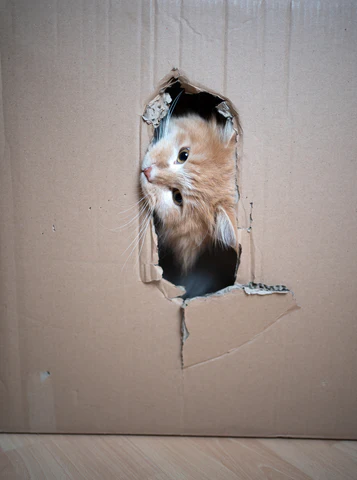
x,y
133,206
161,127
130,214
140,229
142,223
166,121
139,233
137,239
142,240
141,211
129,207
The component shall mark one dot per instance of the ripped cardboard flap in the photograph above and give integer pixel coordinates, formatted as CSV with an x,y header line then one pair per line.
x,y
219,324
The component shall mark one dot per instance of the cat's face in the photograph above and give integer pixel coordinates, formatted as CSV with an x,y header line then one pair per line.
x,y
188,177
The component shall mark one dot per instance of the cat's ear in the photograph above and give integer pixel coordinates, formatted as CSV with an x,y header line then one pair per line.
x,y
225,233
228,134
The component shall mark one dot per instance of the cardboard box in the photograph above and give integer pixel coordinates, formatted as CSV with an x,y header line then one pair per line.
x,y
92,339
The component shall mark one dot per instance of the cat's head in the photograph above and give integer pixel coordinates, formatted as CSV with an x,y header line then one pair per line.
x,y
188,178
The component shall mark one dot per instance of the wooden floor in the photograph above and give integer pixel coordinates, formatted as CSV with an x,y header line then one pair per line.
x,y
80,457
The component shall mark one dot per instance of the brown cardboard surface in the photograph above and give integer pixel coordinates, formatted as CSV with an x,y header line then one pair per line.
x,y
85,344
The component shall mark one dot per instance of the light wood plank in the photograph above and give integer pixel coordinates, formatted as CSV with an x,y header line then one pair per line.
x,y
316,458
250,459
84,457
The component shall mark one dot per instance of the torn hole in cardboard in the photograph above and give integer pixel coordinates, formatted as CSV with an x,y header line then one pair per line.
x,y
217,263
215,321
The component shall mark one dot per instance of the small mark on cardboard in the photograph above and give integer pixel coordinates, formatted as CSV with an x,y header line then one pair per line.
x,y
44,376
53,228
74,395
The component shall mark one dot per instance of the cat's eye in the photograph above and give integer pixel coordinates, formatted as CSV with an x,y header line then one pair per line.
x,y
183,155
177,197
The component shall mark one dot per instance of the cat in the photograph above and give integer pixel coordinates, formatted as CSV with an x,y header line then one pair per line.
x,y
188,179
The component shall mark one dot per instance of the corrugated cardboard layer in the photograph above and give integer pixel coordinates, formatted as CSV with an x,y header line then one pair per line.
x,y
85,345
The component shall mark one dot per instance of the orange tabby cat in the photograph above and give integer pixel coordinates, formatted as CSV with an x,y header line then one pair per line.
x,y
188,178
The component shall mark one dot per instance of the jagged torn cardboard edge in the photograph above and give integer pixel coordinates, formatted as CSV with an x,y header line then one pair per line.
x,y
217,325
155,111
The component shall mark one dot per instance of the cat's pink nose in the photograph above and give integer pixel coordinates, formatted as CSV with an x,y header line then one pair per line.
x,y
147,172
